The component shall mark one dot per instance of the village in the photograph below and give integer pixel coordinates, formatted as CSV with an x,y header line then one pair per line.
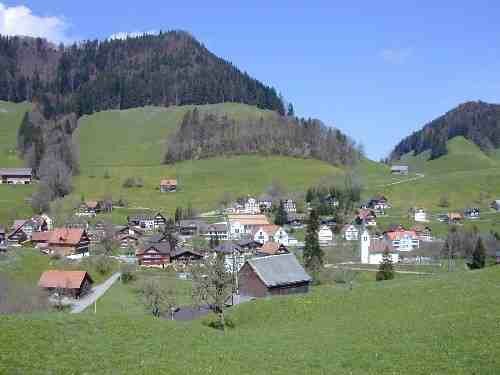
x,y
262,240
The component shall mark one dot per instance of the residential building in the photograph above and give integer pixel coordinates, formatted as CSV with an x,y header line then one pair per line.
x,y
72,283
350,232
168,185
399,169
424,233
455,218
272,248
68,241
251,206
472,213
325,235
161,254
128,236
403,239
290,206
270,233
234,255
273,275
147,221
242,225
420,216
16,176
217,230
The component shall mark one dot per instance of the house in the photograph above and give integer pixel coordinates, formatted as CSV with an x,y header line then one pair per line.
x,y
379,204
332,201
366,217
424,233
296,220
399,169
128,236
454,218
189,227
325,235
15,176
242,225
168,185
373,249
147,221
402,239
19,233
350,232
420,216
251,206
89,208
272,275
290,206
272,248
161,253
270,233
234,255
265,203
217,230
68,241
472,213
41,239
72,283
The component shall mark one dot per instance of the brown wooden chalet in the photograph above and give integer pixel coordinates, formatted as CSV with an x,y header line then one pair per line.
x,y
161,253
72,283
168,185
273,275
147,221
128,236
64,241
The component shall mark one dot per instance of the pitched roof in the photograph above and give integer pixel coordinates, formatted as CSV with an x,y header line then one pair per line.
x,y
91,204
168,182
63,279
279,270
271,248
161,247
398,234
40,236
249,219
270,229
65,236
15,172
227,247
380,246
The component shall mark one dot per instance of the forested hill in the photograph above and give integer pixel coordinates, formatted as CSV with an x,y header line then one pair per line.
x,y
478,122
170,68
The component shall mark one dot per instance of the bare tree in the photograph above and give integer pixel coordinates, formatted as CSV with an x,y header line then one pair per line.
x,y
158,299
213,285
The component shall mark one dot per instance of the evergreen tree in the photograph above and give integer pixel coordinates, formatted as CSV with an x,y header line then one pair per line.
x,y
178,215
281,217
313,254
478,255
386,268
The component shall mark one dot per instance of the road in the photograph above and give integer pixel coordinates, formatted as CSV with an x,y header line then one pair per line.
x,y
97,291
418,176
374,270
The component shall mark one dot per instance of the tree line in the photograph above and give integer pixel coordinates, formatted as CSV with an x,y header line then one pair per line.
x,y
478,122
205,135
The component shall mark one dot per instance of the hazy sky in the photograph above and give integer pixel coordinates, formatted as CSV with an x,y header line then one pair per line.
x,y
376,69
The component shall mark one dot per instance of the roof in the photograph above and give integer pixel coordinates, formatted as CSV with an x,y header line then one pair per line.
x,y
168,182
380,246
227,247
270,229
162,247
143,216
15,171
63,279
2,230
249,219
279,270
398,234
217,227
455,216
399,167
65,236
91,204
270,248
40,236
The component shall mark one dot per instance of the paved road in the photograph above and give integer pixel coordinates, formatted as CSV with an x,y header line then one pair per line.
x,y
93,296
418,176
375,270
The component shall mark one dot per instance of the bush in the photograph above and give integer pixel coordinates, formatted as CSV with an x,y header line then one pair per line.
x,y
102,264
129,182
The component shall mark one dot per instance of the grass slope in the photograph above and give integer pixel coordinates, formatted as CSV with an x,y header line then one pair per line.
x,y
446,325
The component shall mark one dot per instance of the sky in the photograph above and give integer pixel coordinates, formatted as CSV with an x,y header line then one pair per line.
x,y
377,70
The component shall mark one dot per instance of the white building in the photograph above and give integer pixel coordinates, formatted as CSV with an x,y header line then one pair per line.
x,y
270,233
350,232
241,225
325,235
403,240
290,206
219,230
16,176
420,215
251,206
372,249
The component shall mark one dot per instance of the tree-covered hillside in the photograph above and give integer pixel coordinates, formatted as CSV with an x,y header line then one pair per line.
x,y
478,122
171,68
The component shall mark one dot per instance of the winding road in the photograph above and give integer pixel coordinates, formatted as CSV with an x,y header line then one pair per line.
x,y
418,176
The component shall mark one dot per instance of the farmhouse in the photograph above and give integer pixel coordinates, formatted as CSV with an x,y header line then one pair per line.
x,y
189,227
265,203
379,204
168,185
16,176
128,236
325,235
273,275
350,232
454,217
366,217
21,231
71,283
68,241
373,249
251,206
161,253
399,169
147,221
89,208
296,220
270,233
241,225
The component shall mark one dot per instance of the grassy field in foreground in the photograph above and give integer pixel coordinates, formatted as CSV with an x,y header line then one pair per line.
x,y
447,324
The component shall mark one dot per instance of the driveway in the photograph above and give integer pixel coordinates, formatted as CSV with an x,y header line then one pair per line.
x,y
94,295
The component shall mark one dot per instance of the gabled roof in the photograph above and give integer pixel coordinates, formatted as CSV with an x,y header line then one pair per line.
x,y
41,236
65,236
168,182
272,248
380,246
227,247
270,229
398,234
279,270
91,204
249,219
63,279
15,172
161,247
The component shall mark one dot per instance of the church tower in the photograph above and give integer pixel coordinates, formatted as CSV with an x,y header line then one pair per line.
x,y
365,246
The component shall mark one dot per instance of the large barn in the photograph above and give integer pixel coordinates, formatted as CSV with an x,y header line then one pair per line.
x,y
273,275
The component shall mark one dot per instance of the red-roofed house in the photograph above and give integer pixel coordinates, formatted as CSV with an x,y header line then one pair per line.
x,y
66,241
403,239
168,185
270,233
373,249
74,283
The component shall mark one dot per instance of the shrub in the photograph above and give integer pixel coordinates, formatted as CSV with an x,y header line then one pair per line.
x,y
102,264
128,273
129,182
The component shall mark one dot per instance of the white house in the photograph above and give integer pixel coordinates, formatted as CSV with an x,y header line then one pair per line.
x,y
372,249
219,230
350,232
241,225
234,255
420,215
325,235
290,206
15,176
270,233
399,169
251,206
402,239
